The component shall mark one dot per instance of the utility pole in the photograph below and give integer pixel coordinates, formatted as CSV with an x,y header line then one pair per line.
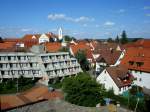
x,y
17,85
137,99
136,104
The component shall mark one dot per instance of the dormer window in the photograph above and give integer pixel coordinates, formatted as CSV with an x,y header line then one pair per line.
x,y
139,64
131,62
33,37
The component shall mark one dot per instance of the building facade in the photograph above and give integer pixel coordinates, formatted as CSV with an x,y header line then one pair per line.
x,y
31,65
116,78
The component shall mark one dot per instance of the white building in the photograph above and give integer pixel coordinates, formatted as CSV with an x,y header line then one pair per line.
x,y
30,65
43,38
116,78
142,78
137,60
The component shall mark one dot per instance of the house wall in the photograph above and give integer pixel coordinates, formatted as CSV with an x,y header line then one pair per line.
x,y
143,78
105,79
43,38
71,51
99,66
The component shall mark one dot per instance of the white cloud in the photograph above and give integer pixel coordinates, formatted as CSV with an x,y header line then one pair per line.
x,y
146,8
67,18
109,23
56,16
26,29
121,10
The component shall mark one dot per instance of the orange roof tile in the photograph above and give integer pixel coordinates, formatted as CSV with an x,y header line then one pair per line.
x,y
53,46
35,94
137,54
79,46
118,73
110,57
143,43
7,46
84,47
12,39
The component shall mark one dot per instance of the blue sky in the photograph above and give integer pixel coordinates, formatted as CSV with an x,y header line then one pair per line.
x,y
78,18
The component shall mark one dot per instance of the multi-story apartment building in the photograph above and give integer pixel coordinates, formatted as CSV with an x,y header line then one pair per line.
x,y
31,65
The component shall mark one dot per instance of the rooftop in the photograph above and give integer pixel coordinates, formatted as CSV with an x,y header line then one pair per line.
x,y
33,95
137,58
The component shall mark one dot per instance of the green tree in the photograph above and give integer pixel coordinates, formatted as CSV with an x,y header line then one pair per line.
x,y
82,90
64,49
124,38
117,40
110,40
1,40
81,57
67,38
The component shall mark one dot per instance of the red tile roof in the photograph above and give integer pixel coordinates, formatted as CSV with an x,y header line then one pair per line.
x,y
83,46
35,94
53,46
12,39
7,46
119,74
140,43
110,57
143,43
134,55
28,37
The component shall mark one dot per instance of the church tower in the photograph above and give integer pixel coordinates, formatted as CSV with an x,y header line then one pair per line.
x,y
60,35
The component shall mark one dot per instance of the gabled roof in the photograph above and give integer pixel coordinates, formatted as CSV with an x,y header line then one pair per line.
x,y
118,73
79,46
110,56
28,37
82,46
134,55
106,46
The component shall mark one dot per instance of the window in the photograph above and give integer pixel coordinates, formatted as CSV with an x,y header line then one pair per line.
x,y
131,62
19,58
9,58
11,65
31,65
140,72
139,64
2,72
1,65
140,79
119,89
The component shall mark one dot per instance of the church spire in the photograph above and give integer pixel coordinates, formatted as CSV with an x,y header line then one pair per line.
x,y
60,36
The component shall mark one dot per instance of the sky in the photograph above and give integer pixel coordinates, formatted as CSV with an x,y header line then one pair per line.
x,y
96,19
